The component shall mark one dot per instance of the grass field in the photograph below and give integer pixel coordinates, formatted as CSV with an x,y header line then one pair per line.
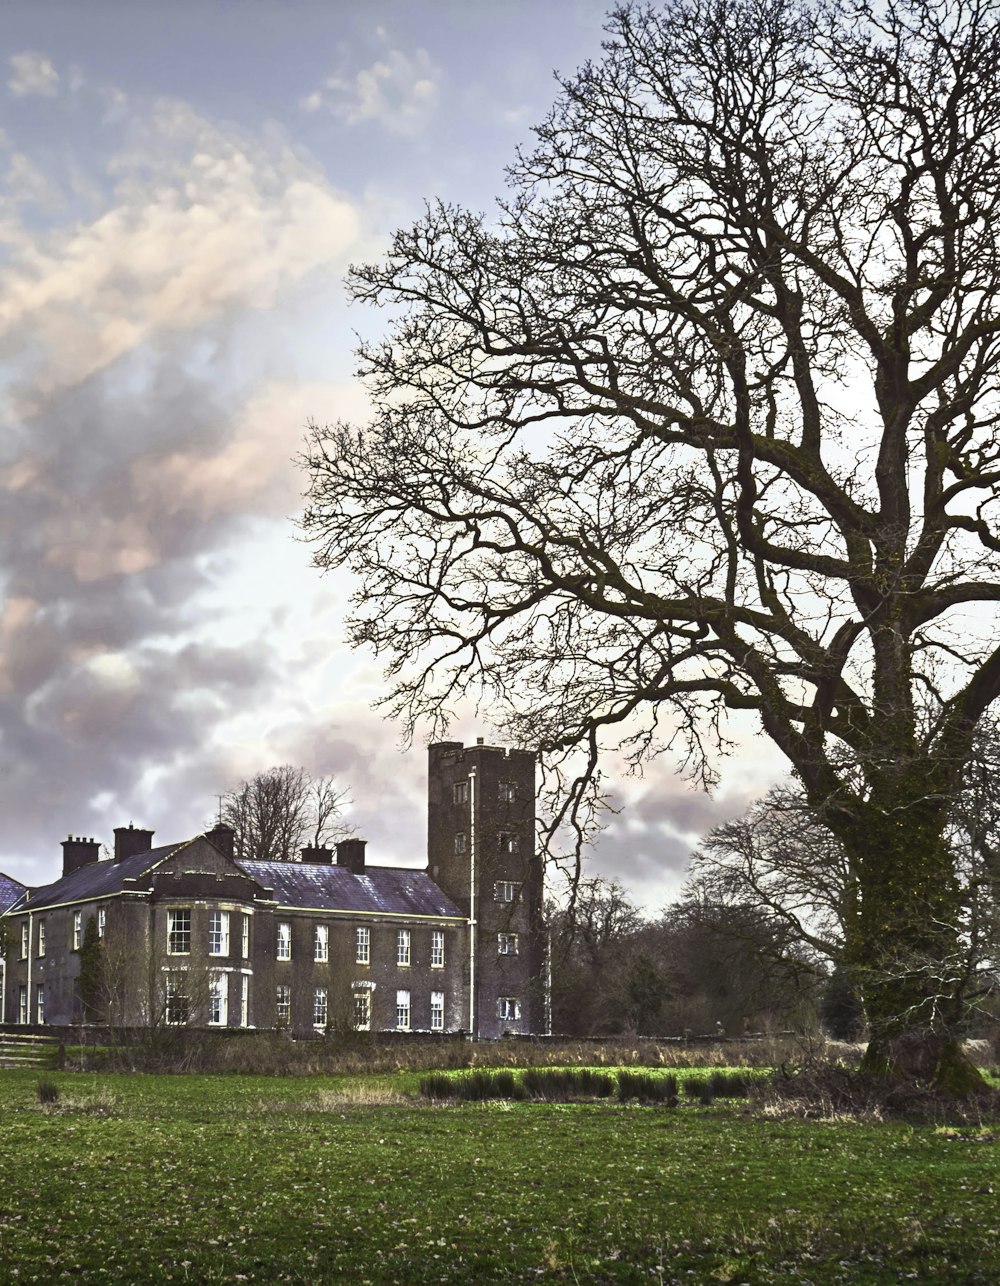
x,y
229,1179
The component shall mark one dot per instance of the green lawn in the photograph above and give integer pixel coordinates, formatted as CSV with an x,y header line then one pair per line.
x,y
198,1178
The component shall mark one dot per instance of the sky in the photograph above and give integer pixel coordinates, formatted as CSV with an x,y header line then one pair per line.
x,y
181,190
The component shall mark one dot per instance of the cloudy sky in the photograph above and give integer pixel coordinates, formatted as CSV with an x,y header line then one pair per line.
x,y
181,188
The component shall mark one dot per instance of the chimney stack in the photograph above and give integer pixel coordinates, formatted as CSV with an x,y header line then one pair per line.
x,y
129,841
78,852
224,839
351,853
317,855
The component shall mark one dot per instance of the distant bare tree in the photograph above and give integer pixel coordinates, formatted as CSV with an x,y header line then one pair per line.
x,y
277,812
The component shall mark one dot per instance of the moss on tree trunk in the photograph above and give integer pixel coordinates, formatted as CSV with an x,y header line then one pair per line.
x,y
904,946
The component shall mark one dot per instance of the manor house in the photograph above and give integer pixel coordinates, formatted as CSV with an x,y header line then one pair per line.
x,y
187,933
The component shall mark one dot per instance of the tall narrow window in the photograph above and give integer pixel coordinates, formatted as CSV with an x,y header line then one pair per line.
x,y
102,921
437,948
437,1011
22,1004
460,792
363,946
403,1010
218,999
179,932
284,941
177,1009
320,1007
77,930
40,1003
218,933
362,1009
245,938
321,943
244,1001
403,947
460,844
283,1004
41,937
25,942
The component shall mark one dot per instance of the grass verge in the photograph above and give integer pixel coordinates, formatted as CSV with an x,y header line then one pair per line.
x,y
213,1179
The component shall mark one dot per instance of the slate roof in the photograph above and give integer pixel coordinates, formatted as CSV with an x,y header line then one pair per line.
x,y
10,891
315,886
98,879
310,886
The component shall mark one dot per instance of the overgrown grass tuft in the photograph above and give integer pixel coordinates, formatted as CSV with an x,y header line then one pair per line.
x,y
645,1087
47,1091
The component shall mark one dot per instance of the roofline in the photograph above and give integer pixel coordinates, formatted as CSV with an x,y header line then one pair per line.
x,y
100,897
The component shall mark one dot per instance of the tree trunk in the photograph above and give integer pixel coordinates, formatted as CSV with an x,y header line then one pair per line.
x,y
904,947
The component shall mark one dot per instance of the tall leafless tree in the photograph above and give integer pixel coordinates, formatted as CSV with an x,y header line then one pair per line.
x,y
277,812
703,420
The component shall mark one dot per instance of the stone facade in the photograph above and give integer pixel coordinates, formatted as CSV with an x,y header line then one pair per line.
x,y
190,934
481,852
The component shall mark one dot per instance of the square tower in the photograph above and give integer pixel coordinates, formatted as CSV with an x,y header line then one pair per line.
x,y
481,852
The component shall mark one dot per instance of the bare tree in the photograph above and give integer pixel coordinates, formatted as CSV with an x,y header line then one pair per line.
x,y
705,420
278,811
781,862
784,864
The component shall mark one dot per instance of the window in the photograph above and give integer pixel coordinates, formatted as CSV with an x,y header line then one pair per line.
x,y
40,1003
403,1010
77,930
218,999
25,946
508,1008
507,792
437,1011
505,891
403,947
460,841
321,944
283,1004
218,933
284,941
179,933
507,944
363,946
245,939
460,792
437,948
102,920
177,1008
508,842
41,937
362,1009
22,1004
244,1000
320,1007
